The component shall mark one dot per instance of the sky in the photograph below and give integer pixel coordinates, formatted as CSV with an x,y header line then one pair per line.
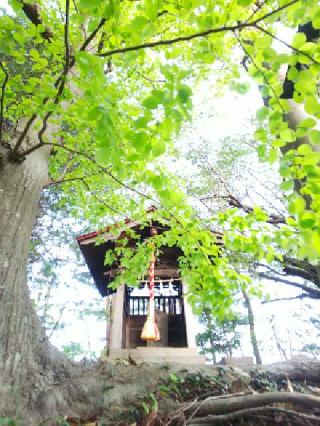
x,y
230,115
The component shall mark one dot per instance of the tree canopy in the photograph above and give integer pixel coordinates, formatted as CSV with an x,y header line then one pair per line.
x,y
108,84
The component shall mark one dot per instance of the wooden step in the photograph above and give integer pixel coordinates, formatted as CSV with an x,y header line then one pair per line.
x,y
159,355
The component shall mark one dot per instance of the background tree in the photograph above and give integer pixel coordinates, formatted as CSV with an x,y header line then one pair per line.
x,y
220,336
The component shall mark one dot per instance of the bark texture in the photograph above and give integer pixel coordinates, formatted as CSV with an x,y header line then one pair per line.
x,y
253,337
29,365
22,356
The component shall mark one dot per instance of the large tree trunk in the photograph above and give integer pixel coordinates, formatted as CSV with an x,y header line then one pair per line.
x,y
36,380
23,345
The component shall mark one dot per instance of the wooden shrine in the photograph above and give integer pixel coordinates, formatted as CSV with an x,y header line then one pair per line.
x,y
127,307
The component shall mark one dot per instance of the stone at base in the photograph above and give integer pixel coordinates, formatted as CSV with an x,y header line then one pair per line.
x,y
158,355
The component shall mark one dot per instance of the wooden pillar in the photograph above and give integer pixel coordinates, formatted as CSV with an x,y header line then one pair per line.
x,y
190,320
108,324
117,319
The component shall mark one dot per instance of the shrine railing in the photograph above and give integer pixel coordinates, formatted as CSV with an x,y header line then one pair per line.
x,y
138,305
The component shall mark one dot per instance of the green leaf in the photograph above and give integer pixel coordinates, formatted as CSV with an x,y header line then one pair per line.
x,y
158,148
151,8
262,113
288,135
293,73
184,93
312,106
307,123
244,3
316,20
90,4
307,220
139,141
298,40
273,155
238,87
315,137
304,149
151,102
145,407
296,206
287,185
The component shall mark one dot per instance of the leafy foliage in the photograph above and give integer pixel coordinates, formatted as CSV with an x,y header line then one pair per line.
x,y
220,336
115,83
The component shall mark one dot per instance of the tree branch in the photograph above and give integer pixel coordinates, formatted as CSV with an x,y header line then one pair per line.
x,y
32,12
281,299
98,198
260,71
206,33
313,293
92,159
3,89
60,84
235,202
288,45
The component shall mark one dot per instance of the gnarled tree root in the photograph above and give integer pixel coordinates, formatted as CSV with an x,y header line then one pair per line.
x,y
215,410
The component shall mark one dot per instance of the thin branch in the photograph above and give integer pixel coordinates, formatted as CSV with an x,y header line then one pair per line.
x,y
199,34
3,89
56,323
288,45
63,76
92,159
65,168
235,202
281,299
260,71
92,35
66,36
270,269
60,84
98,198
313,293
257,10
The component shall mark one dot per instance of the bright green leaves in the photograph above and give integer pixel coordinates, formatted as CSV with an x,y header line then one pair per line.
x,y
307,123
244,3
296,206
316,20
124,116
184,93
315,137
298,40
287,135
139,141
312,106
262,113
158,147
151,102
307,220
241,88
91,66
152,8
90,4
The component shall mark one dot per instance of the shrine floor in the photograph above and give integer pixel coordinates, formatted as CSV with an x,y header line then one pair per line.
x,y
155,354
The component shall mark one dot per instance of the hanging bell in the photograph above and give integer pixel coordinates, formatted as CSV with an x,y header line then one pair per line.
x,y
150,331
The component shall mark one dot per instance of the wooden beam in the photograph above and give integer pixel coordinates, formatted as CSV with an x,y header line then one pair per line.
x,y
159,273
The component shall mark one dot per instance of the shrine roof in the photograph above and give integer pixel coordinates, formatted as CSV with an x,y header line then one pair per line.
x,y
94,246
